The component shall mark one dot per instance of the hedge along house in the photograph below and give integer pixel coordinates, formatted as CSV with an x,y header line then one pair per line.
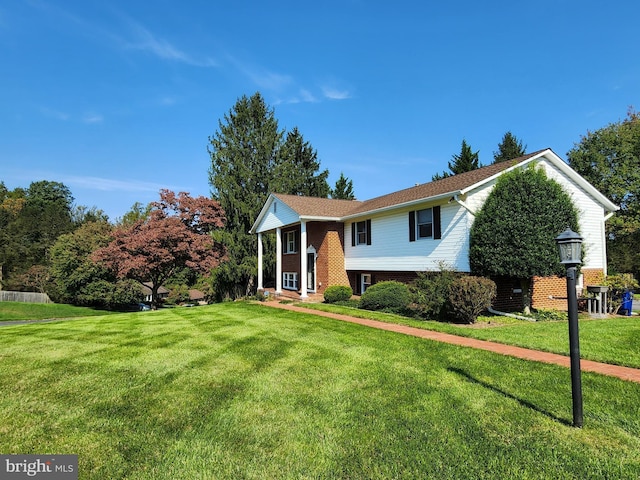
x,y
322,242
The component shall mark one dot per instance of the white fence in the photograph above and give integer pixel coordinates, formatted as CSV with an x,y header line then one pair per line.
x,y
25,297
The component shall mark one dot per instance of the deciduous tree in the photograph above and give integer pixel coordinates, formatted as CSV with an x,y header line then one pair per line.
x,y
137,212
76,279
30,222
609,158
177,234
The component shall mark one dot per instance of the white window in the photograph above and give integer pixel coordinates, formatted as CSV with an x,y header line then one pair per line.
x,y
361,233
366,282
290,242
424,223
290,280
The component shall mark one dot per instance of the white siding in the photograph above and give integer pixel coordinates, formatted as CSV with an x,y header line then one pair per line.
x,y
391,250
590,218
282,216
590,213
476,198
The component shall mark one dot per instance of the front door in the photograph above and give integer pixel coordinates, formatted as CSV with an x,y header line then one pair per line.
x,y
311,272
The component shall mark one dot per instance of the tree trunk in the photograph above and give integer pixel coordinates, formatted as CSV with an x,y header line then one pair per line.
x,y
154,296
525,285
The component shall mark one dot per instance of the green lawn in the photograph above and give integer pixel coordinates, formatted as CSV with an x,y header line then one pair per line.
x,y
242,391
10,311
614,340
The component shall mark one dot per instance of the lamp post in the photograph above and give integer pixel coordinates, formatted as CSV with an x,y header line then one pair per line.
x,y
570,247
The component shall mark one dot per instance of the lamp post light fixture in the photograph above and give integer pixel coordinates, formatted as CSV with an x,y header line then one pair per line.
x,y
570,247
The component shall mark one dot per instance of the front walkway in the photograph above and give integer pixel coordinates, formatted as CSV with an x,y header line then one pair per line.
x,y
625,373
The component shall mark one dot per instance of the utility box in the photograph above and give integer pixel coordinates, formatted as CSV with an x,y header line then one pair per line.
x,y
597,300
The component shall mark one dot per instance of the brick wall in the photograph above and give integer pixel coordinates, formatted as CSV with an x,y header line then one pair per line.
x,y
377,277
509,296
549,293
546,287
291,261
328,240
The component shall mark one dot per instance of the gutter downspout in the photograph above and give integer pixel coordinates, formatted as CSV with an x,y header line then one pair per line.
x,y
604,243
464,205
512,315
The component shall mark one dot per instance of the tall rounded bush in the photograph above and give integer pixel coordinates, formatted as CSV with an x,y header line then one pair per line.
x,y
391,296
337,293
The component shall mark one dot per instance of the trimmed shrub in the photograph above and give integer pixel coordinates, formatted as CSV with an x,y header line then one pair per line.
x,y
337,293
470,296
429,293
389,296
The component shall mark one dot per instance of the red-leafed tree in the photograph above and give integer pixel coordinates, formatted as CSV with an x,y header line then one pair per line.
x,y
177,234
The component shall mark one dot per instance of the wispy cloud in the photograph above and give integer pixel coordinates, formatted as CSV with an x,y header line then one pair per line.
x,y
335,94
110,185
143,39
55,114
261,77
88,118
92,118
167,101
127,34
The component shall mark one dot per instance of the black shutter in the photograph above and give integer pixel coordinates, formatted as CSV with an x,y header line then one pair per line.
x,y
283,241
358,284
437,228
353,234
412,226
369,232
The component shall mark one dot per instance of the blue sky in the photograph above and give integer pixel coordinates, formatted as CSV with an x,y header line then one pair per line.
x,y
118,99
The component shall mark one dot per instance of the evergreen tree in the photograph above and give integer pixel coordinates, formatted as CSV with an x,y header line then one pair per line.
x,y
251,158
343,189
297,164
514,232
509,148
465,161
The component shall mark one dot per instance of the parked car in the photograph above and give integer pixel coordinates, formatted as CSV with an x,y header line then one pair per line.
x,y
143,307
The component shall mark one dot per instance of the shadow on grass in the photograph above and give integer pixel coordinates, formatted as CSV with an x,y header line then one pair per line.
x,y
521,401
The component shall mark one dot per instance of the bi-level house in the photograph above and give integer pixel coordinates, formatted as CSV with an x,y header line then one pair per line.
x,y
322,242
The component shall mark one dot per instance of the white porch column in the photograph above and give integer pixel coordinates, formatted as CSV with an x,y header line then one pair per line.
x,y
278,260
260,283
303,260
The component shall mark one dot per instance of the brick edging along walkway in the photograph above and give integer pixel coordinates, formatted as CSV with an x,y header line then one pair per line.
x,y
624,373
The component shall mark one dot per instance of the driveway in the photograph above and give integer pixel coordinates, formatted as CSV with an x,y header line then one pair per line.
x,y
46,320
